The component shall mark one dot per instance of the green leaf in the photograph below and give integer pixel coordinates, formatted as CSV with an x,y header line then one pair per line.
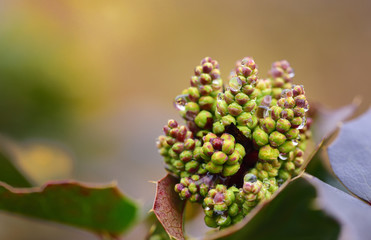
x,y
168,207
291,215
9,173
103,210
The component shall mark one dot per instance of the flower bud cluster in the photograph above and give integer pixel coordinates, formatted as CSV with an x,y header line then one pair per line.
x,y
197,103
223,206
254,191
237,104
196,187
178,147
222,154
210,159
282,75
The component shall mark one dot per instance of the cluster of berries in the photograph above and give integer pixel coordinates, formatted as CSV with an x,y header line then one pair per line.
x,y
239,143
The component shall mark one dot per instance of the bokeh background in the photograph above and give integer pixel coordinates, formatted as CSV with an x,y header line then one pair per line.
x,y
86,86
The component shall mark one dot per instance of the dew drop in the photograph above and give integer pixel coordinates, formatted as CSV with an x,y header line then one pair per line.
x,y
220,97
295,142
235,84
283,156
291,75
302,125
250,178
264,111
180,102
221,213
207,208
216,84
280,181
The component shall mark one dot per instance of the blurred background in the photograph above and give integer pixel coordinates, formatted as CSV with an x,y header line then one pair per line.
x,y
86,86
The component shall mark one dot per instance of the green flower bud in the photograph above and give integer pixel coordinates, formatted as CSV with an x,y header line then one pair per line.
x,y
268,153
230,170
224,221
218,128
233,210
186,156
192,166
192,187
290,166
178,165
268,125
276,112
234,158
288,146
260,137
273,172
229,197
293,133
229,97
249,106
299,161
222,107
227,137
296,122
245,119
299,112
204,119
208,149
211,167
206,102
263,174
283,125
228,120
234,109
219,158
276,139
276,93
245,131
240,149
228,147
287,114
210,221
242,98
284,175
192,109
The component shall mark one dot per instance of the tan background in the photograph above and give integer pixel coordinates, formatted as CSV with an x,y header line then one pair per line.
x,y
117,65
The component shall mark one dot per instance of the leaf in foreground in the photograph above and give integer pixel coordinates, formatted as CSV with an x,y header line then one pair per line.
x,y
168,207
326,120
353,214
9,172
291,215
103,210
350,156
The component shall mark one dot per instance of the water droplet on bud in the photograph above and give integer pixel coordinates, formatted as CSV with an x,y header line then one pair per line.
x,y
295,142
180,102
250,178
220,97
283,156
235,84
302,125
264,111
